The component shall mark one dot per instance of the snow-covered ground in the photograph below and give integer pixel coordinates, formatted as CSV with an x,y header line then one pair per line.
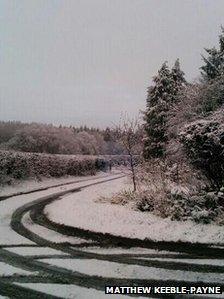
x,y
7,270
7,235
71,291
213,262
29,251
83,210
31,185
119,270
128,251
48,234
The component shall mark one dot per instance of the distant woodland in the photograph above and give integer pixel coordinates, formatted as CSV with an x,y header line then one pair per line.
x,y
42,138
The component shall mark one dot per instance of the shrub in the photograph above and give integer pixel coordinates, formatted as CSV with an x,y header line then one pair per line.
x,y
204,142
178,204
202,208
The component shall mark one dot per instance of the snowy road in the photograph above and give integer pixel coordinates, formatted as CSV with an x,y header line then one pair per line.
x,y
41,259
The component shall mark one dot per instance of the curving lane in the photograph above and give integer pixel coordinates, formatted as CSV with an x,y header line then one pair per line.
x,y
55,261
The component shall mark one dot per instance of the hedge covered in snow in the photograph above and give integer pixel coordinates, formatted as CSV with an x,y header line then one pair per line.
x,y
18,165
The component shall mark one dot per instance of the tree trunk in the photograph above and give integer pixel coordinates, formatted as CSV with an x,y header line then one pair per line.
x,y
133,171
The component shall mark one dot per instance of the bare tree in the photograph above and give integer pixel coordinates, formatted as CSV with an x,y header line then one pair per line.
x,y
128,132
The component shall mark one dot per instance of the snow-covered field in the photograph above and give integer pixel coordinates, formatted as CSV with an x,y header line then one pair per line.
x,y
83,210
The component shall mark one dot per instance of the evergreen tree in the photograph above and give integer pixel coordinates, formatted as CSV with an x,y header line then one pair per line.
x,y
160,97
178,77
214,63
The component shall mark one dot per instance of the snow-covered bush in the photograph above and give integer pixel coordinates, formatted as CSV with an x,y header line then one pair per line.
x,y
159,194
178,204
144,201
202,208
204,142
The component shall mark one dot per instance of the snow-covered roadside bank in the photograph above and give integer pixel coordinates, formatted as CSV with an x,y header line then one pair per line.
x,y
34,185
82,210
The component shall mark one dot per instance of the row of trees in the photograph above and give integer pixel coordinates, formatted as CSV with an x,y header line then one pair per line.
x,y
173,103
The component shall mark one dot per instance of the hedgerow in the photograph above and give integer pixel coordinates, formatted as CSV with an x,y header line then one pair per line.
x,y
19,166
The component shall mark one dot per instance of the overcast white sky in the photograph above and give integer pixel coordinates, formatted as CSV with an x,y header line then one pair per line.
x,y
84,61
